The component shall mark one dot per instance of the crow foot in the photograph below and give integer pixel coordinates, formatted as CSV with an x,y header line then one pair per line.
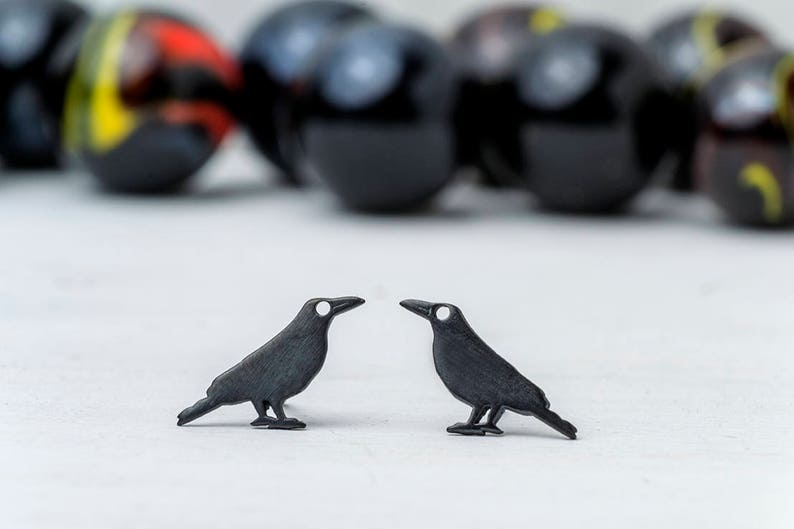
x,y
463,428
279,424
491,428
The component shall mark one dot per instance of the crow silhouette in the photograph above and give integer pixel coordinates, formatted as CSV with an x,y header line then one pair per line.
x,y
476,375
280,369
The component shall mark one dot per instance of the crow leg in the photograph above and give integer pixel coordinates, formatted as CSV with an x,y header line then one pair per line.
x,y
470,427
282,421
261,409
477,414
493,418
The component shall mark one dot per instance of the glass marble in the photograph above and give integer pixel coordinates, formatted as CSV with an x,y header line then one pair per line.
x,y
482,48
149,101
745,152
582,119
689,47
275,56
374,119
31,94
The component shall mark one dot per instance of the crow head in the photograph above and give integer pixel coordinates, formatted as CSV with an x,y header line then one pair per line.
x,y
440,315
326,309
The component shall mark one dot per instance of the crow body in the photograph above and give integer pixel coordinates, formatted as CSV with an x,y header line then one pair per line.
x,y
476,375
277,371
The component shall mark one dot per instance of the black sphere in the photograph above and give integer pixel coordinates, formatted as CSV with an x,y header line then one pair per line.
x,y
274,58
375,118
482,48
745,151
688,48
31,94
582,119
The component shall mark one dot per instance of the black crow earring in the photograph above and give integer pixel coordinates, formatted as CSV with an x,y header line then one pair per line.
x,y
476,375
279,370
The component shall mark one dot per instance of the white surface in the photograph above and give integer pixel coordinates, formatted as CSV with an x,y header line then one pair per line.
x,y
666,337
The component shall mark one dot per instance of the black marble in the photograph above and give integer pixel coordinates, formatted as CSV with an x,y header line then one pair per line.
x,y
482,48
374,120
689,47
31,91
274,59
745,152
583,119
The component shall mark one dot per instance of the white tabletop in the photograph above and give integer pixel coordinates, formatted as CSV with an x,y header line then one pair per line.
x,y
665,336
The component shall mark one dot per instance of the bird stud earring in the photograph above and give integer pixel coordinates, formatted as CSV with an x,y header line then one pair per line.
x,y
279,370
479,377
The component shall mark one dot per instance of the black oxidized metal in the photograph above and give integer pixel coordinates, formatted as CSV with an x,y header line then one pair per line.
x,y
476,375
277,371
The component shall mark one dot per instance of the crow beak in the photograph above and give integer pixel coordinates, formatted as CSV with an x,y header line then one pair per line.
x,y
420,308
340,305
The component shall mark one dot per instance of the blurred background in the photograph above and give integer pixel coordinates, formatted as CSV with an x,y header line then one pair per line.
x,y
229,20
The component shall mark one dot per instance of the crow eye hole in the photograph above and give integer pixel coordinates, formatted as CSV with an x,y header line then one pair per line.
x,y
443,313
322,308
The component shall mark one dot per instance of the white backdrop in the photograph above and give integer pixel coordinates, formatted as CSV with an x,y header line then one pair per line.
x,y
230,19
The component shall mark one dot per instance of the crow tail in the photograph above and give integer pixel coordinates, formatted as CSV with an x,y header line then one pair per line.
x,y
558,423
202,407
